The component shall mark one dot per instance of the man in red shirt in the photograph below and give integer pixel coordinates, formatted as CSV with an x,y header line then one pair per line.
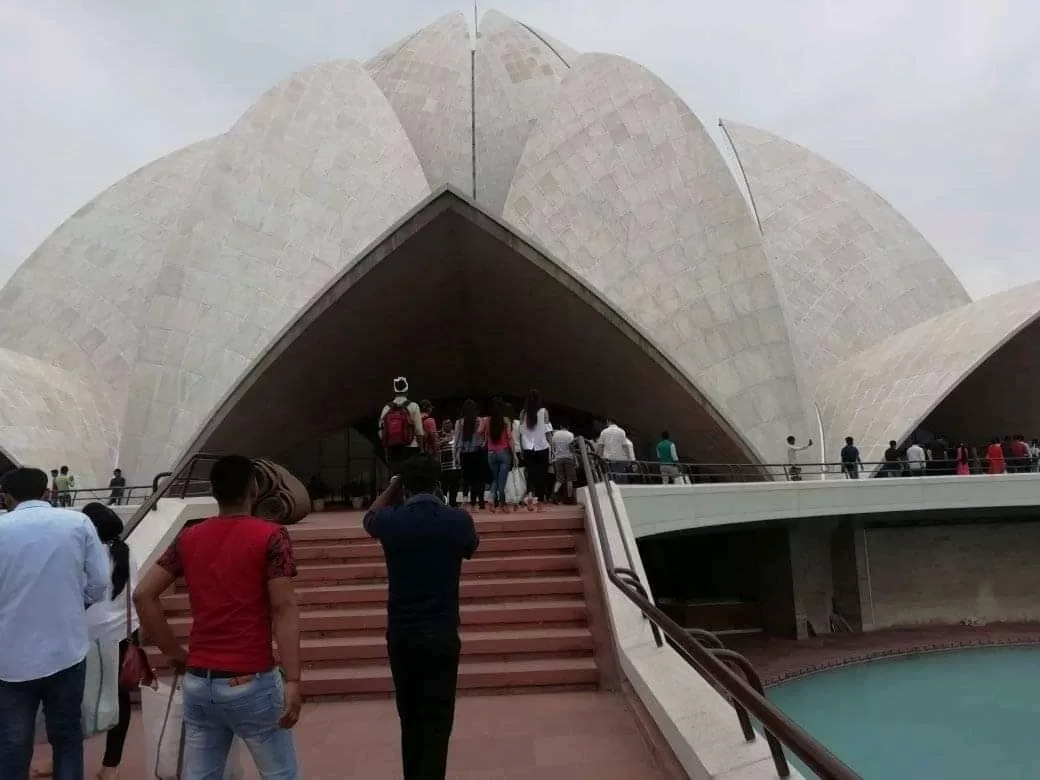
x,y
238,571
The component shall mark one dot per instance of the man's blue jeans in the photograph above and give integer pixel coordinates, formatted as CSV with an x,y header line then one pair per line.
x,y
248,707
61,695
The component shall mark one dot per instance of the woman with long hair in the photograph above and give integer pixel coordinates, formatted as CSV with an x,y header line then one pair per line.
x,y
963,462
106,622
534,433
471,454
500,451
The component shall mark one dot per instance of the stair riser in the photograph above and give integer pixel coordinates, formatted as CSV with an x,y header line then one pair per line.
x,y
472,591
367,551
517,523
475,650
491,619
527,681
182,632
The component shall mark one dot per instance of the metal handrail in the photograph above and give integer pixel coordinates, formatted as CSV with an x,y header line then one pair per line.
x,y
165,483
695,471
743,692
99,493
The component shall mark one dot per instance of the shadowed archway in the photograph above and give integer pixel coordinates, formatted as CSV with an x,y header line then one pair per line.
x,y
462,306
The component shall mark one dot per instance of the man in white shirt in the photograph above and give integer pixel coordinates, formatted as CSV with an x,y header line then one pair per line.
x,y
52,567
916,460
794,471
614,446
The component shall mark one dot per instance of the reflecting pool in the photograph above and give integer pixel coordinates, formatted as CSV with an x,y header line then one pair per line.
x,y
936,716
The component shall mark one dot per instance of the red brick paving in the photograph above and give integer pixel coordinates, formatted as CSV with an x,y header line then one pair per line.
x,y
553,736
779,660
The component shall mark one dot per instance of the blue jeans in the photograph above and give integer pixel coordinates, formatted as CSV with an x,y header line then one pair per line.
x,y
218,710
498,461
61,695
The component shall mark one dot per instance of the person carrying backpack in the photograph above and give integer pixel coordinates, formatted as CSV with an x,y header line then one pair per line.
x,y
400,423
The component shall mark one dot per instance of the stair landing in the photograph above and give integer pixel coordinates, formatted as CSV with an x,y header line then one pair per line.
x,y
581,735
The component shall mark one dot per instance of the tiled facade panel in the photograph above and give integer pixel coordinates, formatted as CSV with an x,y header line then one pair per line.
x,y
853,270
81,299
517,77
622,184
428,79
49,417
886,391
305,180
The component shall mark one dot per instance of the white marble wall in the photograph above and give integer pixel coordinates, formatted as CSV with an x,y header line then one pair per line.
x,y
50,417
854,271
517,77
309,176
428,80
885,392
622,184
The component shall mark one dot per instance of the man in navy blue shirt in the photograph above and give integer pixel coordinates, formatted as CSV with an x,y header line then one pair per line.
x,y
424,542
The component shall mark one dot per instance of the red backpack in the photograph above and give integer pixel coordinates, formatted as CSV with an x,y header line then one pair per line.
x,y
398,430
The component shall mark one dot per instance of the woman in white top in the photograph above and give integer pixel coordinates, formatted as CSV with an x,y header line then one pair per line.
x,y
534,433
106,622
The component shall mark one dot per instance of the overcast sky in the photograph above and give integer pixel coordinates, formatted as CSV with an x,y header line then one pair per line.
x,y
934,103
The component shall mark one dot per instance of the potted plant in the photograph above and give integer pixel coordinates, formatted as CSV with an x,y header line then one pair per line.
x,y
357,490
319,493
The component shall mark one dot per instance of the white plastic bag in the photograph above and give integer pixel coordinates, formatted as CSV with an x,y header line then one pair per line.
x,y
162,716
100,708
516,486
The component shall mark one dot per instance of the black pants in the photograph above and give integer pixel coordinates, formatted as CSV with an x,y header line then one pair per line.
x,y
474,476
450,485
425,668
536,471
395,456
115,737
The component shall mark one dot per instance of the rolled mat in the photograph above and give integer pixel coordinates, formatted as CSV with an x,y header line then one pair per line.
x,y
282,498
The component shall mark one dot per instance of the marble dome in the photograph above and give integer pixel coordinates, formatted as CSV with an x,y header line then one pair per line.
x,y
798,306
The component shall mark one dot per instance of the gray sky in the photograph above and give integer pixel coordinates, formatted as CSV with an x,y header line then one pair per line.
x,y
934,103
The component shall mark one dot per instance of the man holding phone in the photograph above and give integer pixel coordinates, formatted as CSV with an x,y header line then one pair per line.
x,y
424,542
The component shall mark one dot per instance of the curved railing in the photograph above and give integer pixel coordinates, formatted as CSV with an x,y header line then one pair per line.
x,y
104,494
648,472
706,653
191,480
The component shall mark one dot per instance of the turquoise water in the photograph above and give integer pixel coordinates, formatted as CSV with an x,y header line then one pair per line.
x,y
937,716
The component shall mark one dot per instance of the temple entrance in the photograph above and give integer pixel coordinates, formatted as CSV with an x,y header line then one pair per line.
x,y
350,462
464,308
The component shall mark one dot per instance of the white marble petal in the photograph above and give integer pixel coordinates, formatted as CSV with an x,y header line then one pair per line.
x,y
316,170
885,392
853,270
517,76
428,79
620,181
51,417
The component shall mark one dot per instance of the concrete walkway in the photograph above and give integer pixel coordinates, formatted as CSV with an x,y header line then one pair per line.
x,y
552,736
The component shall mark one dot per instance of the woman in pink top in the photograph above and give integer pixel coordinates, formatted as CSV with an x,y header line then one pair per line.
x,y
499,440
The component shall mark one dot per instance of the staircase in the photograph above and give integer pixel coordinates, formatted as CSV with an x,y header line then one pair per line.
x,y
524,614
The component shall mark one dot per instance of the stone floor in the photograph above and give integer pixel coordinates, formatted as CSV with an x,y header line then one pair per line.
x,y
552,736
777,660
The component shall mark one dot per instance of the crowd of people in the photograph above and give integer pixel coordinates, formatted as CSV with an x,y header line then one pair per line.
x,y
934,457
500,459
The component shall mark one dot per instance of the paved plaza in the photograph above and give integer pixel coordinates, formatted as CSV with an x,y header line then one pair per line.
x,y
552,736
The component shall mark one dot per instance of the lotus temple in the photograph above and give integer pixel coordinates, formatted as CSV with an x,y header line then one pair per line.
x,y
483,216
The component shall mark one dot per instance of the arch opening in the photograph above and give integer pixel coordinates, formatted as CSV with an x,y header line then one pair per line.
x,y
463,307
